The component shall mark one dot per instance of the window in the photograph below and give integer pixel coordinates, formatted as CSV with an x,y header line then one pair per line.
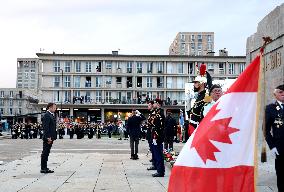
x,y
56,66
182,37
56,96
209,38
99,66
88,96
88,82
182,46
1,102
180,83
2,94
108,80
26,64
199,46
221,68
1,111
139,82
149,81
11,94
149,95
160,67
139,67
169,82
67,96
78,66
129,67
192,38
67,81
88,67
160,82
199,38
77,93
108,65
26,74
56,82
77,81
210,67
180,67
242,67
118,80
118,65
170,68
231,68
129,82
150,67
10,111
209,47
20,111
108,96
32,76
192,46
33,64
20,103
98,81
67,66
128,96
98,96
10,102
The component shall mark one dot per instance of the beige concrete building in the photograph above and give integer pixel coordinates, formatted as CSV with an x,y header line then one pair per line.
x,y
27,73
193,43
18,105
99,86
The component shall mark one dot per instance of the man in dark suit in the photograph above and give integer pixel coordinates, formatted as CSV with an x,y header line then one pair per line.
x,y
49,135
134,130
274,132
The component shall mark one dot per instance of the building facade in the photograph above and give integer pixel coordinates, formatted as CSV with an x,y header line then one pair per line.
x,y
27,73
18,105
193,43
96,87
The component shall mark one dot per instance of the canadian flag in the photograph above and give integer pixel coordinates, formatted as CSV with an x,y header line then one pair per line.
x,y
220,154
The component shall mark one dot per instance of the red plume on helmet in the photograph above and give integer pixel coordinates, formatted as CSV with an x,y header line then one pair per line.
x,y
202,69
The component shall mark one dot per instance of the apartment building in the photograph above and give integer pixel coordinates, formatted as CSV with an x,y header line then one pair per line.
x,y
27,73
193,43
99,87
18,105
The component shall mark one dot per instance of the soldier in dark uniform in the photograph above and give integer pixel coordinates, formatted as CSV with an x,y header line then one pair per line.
x,y
169,131
61,131
71,131
158,123
274,133
196,113
90,131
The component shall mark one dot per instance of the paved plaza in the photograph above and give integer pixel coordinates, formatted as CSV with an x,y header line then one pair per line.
x,y
89,165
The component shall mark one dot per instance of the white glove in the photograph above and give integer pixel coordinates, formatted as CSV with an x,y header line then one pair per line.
x,y
154,142
138,112
274,151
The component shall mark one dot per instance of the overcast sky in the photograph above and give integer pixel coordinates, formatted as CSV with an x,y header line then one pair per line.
x,y
134,27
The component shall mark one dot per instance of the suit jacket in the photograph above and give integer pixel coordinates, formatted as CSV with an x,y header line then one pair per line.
x,y
133,125
274,127
170,127
49,126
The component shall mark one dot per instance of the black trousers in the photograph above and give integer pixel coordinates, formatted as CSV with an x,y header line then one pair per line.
x,y
45,154
279,167
159,158
168,144
134,142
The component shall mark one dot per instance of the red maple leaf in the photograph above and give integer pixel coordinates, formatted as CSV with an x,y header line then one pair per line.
x,y
217,130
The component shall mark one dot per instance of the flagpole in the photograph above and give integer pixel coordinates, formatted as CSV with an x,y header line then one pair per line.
x,y
261,89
